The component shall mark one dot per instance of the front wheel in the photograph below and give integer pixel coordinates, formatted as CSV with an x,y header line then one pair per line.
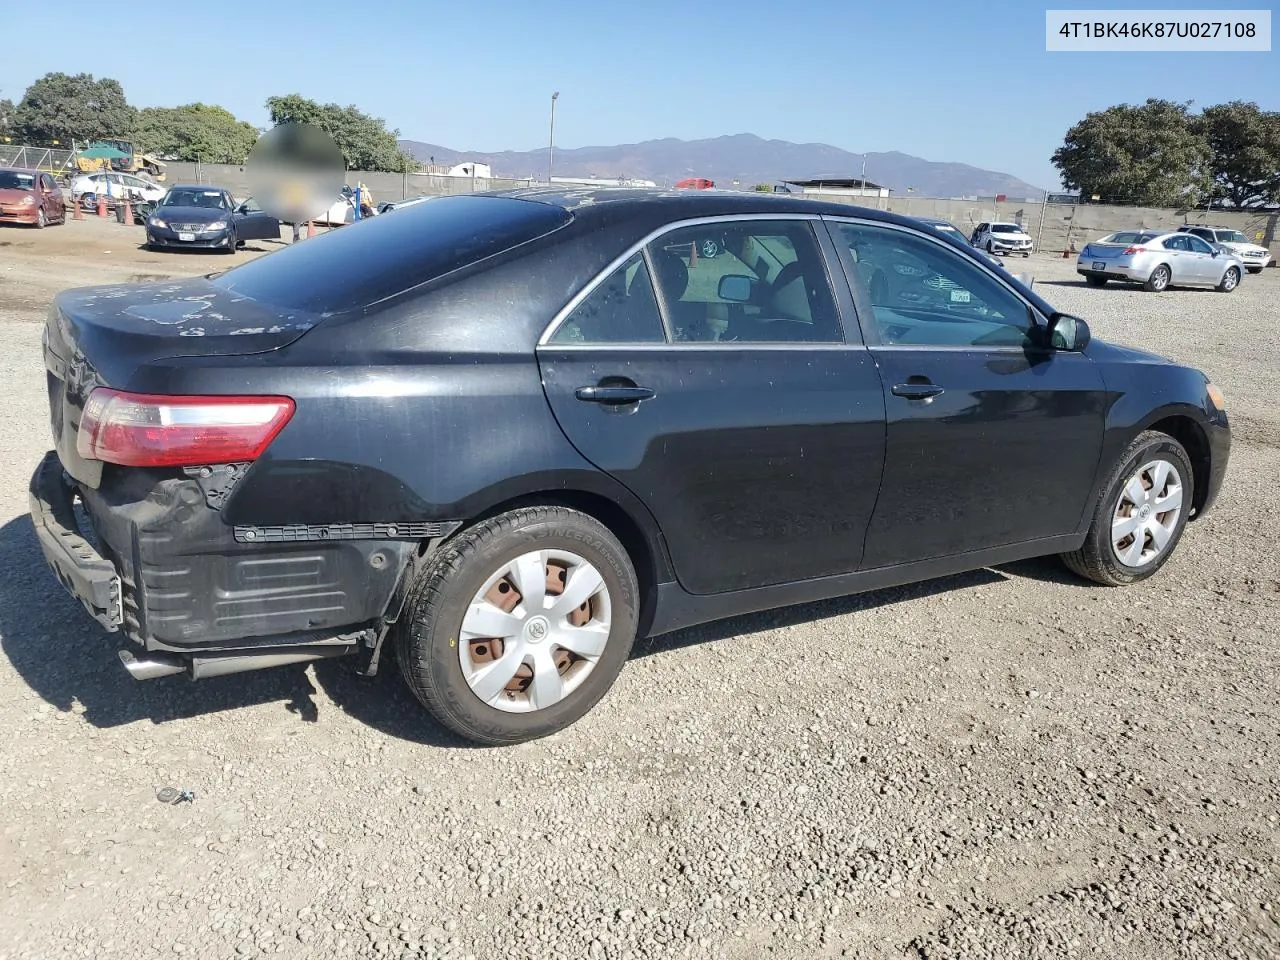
x,y
1139,518
519,626
1230,280
1255,269
42,221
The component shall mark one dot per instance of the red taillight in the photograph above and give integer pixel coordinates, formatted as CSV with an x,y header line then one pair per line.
x,y
1129,251
144,430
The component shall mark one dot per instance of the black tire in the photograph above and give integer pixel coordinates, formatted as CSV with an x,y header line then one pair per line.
x,y
231,247
1096,560
42,219
1096,281
1230,280
1159,279
1025,255
426,638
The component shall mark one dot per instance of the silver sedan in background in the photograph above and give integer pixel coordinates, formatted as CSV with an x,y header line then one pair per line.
x,y
1158,260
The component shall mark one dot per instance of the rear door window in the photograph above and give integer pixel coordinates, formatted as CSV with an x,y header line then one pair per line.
x,y
356,266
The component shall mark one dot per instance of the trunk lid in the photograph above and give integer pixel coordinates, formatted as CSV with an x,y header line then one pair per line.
x,y
100,336
1107,251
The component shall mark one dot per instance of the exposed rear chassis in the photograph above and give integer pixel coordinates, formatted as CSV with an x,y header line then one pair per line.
x,y
111,588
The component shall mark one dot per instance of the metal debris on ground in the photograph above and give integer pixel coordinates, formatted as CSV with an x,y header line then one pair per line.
x,y
174,795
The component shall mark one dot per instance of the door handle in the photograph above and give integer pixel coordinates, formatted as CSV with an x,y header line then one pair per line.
x,y
614,395
917,391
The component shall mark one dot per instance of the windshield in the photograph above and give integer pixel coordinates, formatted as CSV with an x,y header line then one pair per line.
x,y
1005,228
368,262
214,199
1231,236
13,180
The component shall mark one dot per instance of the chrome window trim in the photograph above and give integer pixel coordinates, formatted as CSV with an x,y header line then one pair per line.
x,y
639,247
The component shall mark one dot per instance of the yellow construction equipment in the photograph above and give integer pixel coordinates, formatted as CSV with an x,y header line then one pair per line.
x,y
133,163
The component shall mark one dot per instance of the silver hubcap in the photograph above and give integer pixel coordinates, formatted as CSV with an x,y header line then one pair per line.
x,y
1160,279
1146,513
535,631
1229,281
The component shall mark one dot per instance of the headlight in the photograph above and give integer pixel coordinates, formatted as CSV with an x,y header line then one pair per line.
x,y
218,225
157,222
28,200
1216,397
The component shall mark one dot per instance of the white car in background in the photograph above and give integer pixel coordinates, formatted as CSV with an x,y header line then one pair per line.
x,y
1253,256
117,186
1000,237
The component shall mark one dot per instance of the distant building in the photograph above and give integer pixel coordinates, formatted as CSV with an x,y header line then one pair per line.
x,y
468,169
600,182
839,187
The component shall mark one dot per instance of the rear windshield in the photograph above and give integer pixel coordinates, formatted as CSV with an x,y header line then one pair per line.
x,y
1129,237
361,264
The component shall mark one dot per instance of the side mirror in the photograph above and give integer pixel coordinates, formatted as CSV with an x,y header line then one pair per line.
x,y
1066,332
735,288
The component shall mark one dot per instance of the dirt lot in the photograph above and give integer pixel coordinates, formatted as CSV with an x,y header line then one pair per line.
x,y
1010,763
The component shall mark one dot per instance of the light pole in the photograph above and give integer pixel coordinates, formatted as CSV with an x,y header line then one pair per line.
x,y
551,152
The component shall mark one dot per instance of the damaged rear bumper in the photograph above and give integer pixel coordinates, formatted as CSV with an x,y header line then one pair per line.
x,y
81,570
157,562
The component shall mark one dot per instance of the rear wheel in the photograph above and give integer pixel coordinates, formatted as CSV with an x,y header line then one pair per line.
x,y
1139,519
1158,280
1230,280
517,627
1096,281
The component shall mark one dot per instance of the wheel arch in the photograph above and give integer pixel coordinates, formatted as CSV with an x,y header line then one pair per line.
x,y
1187,431
628,521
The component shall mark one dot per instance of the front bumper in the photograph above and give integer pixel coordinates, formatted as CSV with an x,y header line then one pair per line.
x,y
1011,246
171,575
1218,432
164,237
25,215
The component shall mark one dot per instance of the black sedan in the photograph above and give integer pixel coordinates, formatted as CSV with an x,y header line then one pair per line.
x,y
513,432
202,217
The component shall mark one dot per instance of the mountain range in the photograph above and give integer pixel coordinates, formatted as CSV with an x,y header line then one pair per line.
x,y
744,158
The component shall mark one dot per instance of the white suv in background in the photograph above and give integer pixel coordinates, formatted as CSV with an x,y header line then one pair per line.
x,y
1251,255
1002,238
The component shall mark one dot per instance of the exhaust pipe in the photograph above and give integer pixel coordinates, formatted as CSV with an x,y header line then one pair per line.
x,y
202,668
157,665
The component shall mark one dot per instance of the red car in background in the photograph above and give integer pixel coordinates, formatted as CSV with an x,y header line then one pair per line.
x,y
30,197
695,183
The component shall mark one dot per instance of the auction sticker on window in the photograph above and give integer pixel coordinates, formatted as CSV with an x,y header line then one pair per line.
x,y
1207,31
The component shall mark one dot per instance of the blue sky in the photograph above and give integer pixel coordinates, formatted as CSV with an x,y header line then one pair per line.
x,y
957,81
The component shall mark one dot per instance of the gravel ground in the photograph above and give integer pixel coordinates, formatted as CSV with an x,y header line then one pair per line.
x,y
1007,764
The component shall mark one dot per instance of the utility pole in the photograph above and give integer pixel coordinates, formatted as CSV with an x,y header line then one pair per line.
x,y
551,151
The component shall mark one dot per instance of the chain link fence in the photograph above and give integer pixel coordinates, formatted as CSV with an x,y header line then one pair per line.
x,y
48,159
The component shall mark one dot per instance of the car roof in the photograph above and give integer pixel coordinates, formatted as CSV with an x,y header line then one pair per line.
x,y
22,170
592,203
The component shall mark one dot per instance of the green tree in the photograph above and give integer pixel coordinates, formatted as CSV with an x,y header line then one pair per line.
x,y
7,122
1246,152
763,188
196,131
63,107
365,141
1153,154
